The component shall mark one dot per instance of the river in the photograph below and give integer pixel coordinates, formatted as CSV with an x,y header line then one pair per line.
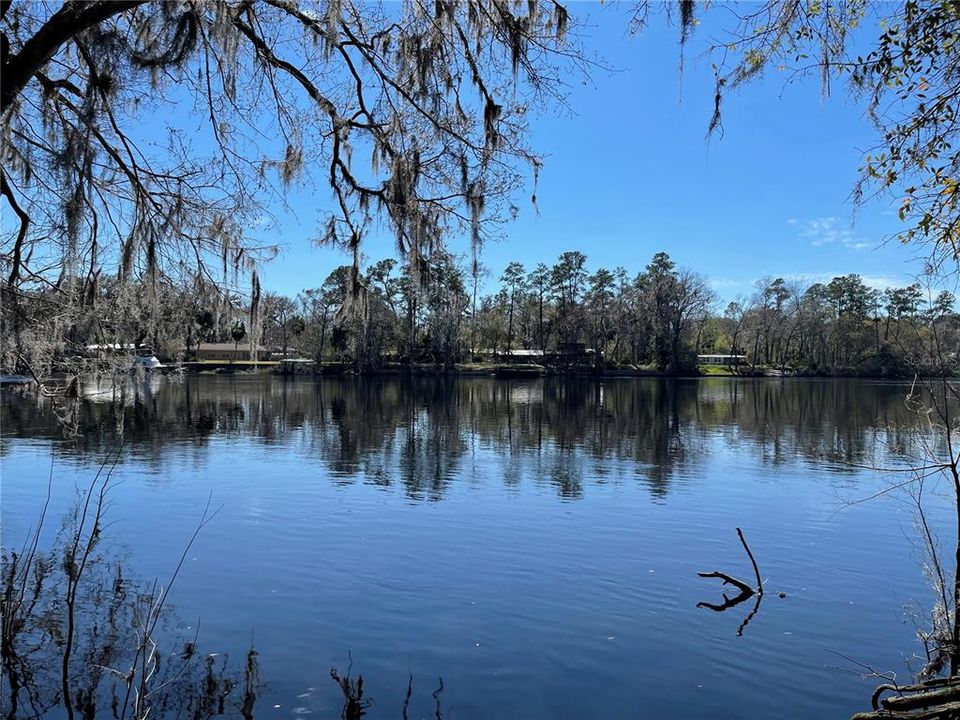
x,y
535,544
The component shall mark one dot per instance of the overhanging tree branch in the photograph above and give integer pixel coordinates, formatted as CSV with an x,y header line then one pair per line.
x,y
17,255
68,22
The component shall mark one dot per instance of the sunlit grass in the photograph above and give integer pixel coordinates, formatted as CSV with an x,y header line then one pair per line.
x,y
717,370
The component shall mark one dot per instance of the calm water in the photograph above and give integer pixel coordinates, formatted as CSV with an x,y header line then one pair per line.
x,y
535,544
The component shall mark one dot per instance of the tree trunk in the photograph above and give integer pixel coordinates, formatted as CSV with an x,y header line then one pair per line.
x,y
543,347
323,337
473,320
955,650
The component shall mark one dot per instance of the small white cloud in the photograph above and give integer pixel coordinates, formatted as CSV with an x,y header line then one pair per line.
x,y
822,232
728,283
885,282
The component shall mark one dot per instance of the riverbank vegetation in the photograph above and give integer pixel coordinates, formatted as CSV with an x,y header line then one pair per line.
x,y
567,316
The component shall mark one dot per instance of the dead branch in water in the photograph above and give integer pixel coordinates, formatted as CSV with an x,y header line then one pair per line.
x,y
753,562
355,705
746,590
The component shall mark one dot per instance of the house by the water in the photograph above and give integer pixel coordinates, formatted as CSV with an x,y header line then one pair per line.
x,y
722,359
228,352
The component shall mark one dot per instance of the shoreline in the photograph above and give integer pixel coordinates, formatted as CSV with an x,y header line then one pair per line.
x,y
64,381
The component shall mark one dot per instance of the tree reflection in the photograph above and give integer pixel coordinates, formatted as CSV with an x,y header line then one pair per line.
x,y
81,639
417,432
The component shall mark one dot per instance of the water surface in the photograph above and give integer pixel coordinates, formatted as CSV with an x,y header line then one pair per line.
x,y
534,543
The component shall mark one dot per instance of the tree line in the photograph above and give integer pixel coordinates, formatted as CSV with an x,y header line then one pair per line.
x,y
659,318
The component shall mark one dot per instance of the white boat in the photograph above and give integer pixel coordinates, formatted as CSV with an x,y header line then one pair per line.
x,y
146,361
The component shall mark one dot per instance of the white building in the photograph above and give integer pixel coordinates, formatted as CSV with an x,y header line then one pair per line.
x,y
722,359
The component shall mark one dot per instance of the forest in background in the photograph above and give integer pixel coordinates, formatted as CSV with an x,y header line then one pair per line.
x,y
660,317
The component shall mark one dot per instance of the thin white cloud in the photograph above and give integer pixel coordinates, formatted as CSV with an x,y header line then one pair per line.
x,y
728,283
884,282
829,231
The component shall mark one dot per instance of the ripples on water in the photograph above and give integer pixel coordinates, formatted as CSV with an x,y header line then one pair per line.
x,y
534,543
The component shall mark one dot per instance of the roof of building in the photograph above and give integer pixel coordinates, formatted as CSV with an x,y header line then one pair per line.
x,y
532,352
111,346
223,347
516,351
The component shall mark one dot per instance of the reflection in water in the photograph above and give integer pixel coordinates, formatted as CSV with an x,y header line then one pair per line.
x,y
528,605
80,635
746,591
416,432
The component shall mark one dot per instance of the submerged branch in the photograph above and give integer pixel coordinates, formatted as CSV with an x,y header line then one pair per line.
x,y
753,561
746,591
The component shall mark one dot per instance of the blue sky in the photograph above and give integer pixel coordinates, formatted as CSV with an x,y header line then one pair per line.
x,y
629,172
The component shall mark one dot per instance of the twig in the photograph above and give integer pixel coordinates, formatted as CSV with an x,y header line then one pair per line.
x,y
756,570
729,580
746,592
